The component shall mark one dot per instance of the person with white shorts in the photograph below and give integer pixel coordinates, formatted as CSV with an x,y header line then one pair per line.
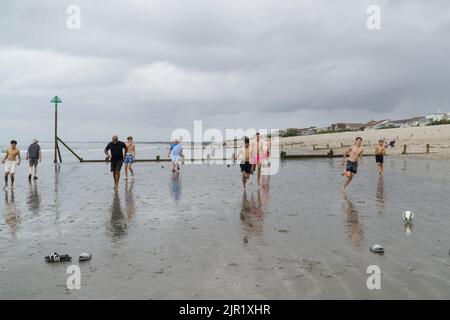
x,y
11,160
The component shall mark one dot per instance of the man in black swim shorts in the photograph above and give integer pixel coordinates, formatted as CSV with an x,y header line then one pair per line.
x,y
117,149
246,167
380,151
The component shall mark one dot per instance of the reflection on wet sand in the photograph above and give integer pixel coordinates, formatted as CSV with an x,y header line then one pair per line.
x,y
355,228
11,212
379,196
175,186
118,223
57,182
253,210
34,198
129,200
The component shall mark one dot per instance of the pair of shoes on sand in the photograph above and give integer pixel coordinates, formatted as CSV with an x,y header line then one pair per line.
x,y
54,257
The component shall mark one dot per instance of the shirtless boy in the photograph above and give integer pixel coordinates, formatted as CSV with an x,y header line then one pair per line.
x,y
354,154
10,161
246,167
130,157
380,151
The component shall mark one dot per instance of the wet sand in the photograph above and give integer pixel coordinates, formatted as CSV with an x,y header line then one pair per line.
x,y
164,236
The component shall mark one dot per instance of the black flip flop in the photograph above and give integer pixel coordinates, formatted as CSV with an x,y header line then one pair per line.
x,y
54,257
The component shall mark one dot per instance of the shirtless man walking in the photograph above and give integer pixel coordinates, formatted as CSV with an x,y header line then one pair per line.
x,y
10,161
257,147
354,154
130,157
246,167
380,151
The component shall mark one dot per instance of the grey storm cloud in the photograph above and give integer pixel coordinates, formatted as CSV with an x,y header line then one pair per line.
x,y
148,67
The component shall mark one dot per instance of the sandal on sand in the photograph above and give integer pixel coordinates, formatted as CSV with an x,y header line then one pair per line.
x,y
54,257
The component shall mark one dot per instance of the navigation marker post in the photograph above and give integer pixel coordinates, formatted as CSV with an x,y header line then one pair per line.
x,y
56,100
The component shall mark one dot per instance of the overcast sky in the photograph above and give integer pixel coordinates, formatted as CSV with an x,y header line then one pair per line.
x,y
145,67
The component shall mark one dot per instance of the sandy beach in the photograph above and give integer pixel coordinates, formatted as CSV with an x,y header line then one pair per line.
x,y
199,236
416,139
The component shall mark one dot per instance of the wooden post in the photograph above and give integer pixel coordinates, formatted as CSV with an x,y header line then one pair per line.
x,y
314,147
428,148
158,158
235,151
404,149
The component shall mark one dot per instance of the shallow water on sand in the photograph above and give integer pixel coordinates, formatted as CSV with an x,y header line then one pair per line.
x,y
169,236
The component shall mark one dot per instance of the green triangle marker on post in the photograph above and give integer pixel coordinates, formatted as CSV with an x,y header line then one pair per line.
x,y
56,99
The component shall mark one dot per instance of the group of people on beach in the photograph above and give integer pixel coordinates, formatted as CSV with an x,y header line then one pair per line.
x,y
251,157
119,153
12,159
353,157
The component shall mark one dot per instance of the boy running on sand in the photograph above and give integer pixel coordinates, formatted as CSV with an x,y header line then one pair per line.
x,y
380,151
10,161
354,154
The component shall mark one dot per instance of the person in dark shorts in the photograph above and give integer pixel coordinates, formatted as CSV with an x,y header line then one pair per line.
x,y
354,154
246,166
115,152
352,166
380,151
34,156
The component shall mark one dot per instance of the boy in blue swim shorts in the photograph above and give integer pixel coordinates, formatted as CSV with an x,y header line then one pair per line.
x,y
130,157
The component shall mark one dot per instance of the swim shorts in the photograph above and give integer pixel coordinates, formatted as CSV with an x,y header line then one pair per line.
x,y
129,159
379,158
116,166
10,166
352,166
175,158
246,167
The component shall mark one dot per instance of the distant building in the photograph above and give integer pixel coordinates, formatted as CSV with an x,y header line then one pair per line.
x,y
374,125
308,131
337,127
413,122
436,117
323,129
